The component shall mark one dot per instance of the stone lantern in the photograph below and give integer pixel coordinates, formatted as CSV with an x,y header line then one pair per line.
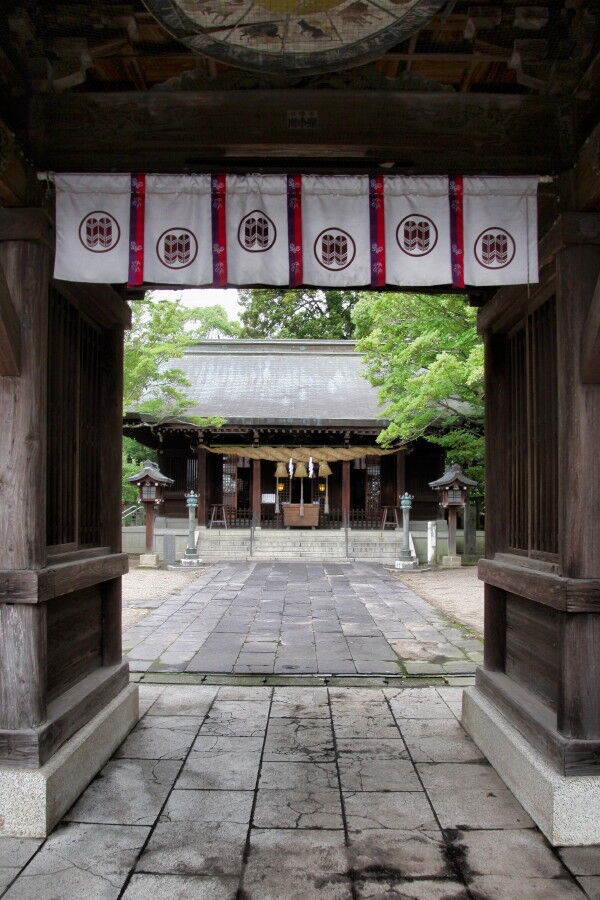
x,y
151,483
407,559
453,487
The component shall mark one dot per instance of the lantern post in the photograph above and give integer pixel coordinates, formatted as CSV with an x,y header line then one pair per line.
x,y
453,487
407,560
150,483
191,557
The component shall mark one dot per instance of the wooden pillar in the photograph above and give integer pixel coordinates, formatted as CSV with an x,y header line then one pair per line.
x,y
542,565
346,489
149,527
400,475
452,516
256,491
111,461
60,606
23,669
201,486
496,522
578,273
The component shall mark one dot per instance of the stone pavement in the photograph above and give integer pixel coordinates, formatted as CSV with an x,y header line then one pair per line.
x,y
295,794
299,618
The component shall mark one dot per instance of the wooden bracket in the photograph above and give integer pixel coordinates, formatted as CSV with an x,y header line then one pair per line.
x,y
10,331
590,351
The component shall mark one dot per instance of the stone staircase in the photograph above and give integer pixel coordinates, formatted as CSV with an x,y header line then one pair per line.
x,y
299,544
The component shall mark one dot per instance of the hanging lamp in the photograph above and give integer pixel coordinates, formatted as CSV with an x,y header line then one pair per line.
x,y
280,472
325,472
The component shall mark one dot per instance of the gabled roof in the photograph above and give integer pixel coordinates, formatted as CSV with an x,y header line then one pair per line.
x,y
291,382
453,475
151,470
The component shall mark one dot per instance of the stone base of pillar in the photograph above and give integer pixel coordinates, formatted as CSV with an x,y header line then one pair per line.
x,y
149,561
452,562
188,562
412,563
32,801
566,809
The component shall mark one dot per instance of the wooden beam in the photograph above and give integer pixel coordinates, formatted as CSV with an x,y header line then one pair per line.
x,y
26,225
10,331
98,301
18,184
590,355
421,132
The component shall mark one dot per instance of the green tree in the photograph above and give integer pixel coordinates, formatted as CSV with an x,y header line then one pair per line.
x,y
424,355
160,332
289,313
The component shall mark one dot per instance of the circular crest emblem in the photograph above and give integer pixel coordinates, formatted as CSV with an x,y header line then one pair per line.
x,y
293,36
416,235
257,232
494,248
334,249
99,231
177,248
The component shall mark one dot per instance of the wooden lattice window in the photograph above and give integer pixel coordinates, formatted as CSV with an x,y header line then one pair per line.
x,y
533,435
230,481
73,515
373,489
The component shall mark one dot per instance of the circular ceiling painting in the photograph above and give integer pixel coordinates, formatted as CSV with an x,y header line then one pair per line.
x,y
296,36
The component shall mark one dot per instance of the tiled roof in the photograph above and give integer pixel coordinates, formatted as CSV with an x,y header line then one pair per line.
x,y
287,381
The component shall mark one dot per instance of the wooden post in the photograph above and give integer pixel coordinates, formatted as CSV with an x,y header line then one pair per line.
x,y
23,667
111,461
400,475
578,268
149,527
346,489
542,624
496,522
201,488
452,530
256,491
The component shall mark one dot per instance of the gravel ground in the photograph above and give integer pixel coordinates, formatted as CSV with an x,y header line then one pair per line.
x,y
145,589
457,592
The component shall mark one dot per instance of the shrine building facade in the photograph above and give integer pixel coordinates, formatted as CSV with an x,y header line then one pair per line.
x,y
289,407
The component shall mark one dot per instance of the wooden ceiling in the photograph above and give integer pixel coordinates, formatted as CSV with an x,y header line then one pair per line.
x,y
110,46
491,88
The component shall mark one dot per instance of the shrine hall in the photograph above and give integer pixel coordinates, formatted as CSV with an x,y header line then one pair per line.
x,y
298,445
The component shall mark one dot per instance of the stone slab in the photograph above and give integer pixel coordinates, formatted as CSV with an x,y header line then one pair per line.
x,y
566,809
33,800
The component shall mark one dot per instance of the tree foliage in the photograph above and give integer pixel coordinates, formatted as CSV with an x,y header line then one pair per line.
x,y
290,313
425,357
160,332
